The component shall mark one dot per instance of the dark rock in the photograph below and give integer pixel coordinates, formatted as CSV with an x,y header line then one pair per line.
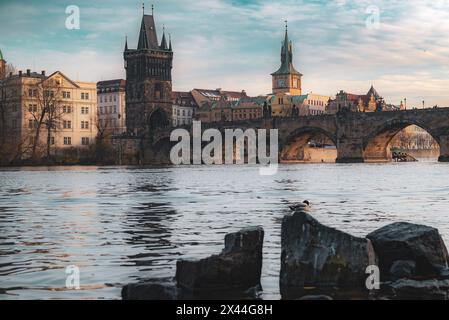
x,y
421,290
314,255
236,269
402,269
406,241
150,290
317,297
444,273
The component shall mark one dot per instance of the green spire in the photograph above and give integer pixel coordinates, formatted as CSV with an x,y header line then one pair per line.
x,y
286,56
1,55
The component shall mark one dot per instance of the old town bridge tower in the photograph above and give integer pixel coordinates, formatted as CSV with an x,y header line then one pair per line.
x,y
148,80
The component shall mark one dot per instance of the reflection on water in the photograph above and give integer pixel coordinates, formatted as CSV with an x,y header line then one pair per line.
x,y
120,225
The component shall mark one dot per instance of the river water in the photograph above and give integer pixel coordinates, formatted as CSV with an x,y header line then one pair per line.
x,y
120,225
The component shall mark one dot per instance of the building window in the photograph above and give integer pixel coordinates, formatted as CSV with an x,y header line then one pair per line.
x,y
14,123
52,140
66,94
67,109
32,92
32,124
85,141
84,124
67,141
84,96
101,110
32,108
67,124
158,91
84,110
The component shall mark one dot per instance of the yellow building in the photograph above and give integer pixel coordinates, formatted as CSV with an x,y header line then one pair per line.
x,y
58,110
284,105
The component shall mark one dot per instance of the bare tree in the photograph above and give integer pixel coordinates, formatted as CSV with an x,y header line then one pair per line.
x,y
102,141
46,113
10,69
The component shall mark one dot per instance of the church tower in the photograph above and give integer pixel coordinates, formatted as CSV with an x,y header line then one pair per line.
x,y
2,66
148,80
287,79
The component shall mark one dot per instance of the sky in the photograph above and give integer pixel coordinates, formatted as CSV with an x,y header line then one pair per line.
x,y
235,44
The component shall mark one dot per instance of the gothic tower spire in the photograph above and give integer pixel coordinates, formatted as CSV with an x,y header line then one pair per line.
x,y
164,41
287,79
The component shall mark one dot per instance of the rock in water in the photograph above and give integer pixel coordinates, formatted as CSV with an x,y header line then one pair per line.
x,y
418,290
316,297
236,269
405,241
314,255
402,269
150,290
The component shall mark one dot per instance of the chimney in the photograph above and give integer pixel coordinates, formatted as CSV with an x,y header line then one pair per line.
x,y
20,73
28,72
43,72
244,92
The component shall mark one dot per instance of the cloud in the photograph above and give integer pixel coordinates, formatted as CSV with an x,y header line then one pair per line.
x,y
236,44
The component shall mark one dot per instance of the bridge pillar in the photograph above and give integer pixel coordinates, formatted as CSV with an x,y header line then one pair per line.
x,y
349,150
444,149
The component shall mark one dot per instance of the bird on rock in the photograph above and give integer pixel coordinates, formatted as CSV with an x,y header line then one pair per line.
x,y
304,206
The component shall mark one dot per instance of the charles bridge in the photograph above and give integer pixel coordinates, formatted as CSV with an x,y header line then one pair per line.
x,y
358,137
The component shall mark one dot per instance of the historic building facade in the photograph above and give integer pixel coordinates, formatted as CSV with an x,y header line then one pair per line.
x,y
369,102
148,80
111,99
72,118
183,109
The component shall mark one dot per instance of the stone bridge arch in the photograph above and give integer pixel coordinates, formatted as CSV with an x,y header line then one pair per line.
x,y
376,144
293,147
158,118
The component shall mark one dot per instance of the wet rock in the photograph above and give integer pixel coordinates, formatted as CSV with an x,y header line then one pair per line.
x,y
405,241
314,255
151,290
317,297
402,269
421,290
236,270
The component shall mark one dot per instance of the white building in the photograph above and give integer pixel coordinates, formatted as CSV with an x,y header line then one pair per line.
x,y
316,104
183,109
111,106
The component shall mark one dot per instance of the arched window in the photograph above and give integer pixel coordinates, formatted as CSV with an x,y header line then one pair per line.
x,y
158,91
